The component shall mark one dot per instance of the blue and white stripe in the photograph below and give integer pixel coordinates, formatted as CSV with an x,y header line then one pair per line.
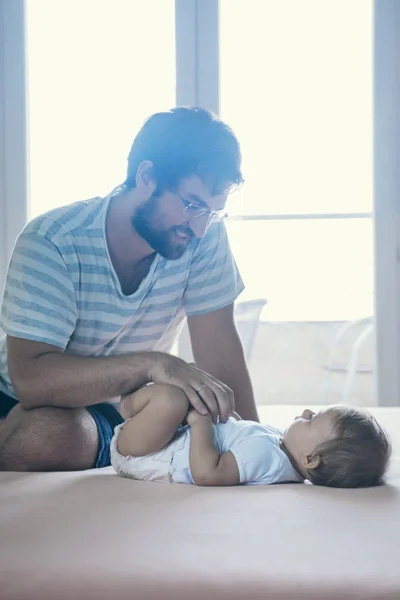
x,y
61,288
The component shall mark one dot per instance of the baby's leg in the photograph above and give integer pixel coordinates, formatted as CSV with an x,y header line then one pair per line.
x,y
155,413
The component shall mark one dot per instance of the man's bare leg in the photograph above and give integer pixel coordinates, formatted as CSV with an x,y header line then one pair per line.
x,y
48,439
155,413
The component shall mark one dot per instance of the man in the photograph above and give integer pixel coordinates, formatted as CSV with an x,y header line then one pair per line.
x,y
96,291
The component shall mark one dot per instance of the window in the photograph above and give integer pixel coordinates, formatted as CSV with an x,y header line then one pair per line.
x,y
296,87
295,83
97,70
308,270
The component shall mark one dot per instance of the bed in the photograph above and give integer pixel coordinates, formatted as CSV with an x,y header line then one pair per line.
x,y
93,535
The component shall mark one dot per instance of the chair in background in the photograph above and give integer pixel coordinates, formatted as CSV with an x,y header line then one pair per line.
x,y
247,319
351,368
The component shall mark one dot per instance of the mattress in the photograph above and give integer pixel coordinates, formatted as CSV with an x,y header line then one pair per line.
x,y
94,535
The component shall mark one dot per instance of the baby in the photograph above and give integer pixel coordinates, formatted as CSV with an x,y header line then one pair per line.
x,y
340,446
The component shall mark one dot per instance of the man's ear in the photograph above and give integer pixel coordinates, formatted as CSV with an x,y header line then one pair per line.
x,y
145,178
310,461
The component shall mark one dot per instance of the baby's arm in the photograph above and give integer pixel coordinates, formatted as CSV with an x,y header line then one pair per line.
x,y
208,467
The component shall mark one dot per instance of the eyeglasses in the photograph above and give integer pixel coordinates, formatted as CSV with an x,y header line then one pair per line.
x,y
196,210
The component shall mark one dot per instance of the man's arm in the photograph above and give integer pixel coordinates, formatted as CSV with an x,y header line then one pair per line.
x,y
43,375
207,466
217,350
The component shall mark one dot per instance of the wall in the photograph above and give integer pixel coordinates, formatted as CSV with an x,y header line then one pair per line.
x,y
2,154
13,164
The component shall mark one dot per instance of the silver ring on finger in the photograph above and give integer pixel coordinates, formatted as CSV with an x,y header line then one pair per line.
x,y
200,388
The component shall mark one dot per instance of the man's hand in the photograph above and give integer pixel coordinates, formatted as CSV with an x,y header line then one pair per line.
x,y
204,392
44,375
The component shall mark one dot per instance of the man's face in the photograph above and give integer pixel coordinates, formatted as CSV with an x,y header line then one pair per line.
x,y
168,221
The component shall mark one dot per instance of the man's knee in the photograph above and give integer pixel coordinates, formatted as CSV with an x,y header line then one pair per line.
x,y
48,439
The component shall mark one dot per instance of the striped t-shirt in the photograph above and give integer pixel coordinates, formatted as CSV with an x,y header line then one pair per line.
x,y
62,289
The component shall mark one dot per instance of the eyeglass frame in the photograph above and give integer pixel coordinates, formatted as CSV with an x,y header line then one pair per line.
x,y
214,216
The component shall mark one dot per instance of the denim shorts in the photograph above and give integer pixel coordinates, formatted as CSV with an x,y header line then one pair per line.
x,y
105,416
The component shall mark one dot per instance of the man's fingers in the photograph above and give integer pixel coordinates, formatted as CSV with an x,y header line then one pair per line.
x,y
209,399
202,397
225,408
192,396
204,392
231,397
219,383
219,397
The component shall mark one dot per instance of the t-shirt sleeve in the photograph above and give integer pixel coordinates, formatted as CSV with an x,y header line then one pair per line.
x,y
259,461
39,301
214,279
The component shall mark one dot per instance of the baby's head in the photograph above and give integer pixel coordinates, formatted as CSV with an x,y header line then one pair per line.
x,y
340,446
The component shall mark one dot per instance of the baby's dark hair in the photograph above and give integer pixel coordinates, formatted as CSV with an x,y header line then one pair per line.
x,y
357,456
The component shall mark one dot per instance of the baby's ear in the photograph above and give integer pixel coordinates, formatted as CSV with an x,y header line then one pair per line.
x,y
310,461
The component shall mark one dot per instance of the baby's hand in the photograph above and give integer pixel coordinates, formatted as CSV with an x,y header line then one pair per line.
x,y
195,417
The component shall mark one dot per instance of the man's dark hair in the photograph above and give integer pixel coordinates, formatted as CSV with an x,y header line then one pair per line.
x,y
357,456
187,141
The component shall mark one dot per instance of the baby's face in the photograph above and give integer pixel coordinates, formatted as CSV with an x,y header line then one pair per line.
x,y
308,431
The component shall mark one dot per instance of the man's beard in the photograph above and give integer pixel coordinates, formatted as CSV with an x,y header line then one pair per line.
x,y
163,241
